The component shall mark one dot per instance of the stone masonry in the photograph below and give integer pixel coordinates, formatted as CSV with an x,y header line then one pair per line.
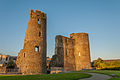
x,y
72,53
32,58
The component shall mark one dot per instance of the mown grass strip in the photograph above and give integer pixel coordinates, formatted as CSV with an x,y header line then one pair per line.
x,y
61,76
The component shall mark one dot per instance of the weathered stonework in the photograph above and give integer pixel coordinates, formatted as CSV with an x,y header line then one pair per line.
x,y
82,51
72,53
64,53
32,58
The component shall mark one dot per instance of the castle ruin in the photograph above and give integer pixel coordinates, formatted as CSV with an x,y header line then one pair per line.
x,y
32,58
72,53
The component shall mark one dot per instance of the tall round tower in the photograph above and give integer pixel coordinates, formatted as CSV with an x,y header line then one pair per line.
x,y
81,51
32,58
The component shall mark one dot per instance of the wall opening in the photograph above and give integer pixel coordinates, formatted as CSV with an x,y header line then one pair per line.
x,y
37,48
24,54
79,53
39,34
38,21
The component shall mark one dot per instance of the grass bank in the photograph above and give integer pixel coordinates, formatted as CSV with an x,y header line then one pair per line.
x,y
61,76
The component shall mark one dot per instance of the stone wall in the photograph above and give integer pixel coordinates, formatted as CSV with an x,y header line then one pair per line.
x,y
81,51
72,53
32,58
64,53
58,59
69,58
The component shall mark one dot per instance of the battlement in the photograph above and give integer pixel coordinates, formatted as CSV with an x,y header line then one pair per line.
x,y
60,36
63,38
73,35
78,34
37,13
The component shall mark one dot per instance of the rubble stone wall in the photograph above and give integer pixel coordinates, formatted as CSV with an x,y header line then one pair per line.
x,y
32,58
72,53
81,51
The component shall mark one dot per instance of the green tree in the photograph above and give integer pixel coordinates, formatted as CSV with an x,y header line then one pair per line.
x,y
98,63
11,64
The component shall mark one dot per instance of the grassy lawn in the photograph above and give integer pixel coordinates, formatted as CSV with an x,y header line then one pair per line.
x,y
107,72
61,76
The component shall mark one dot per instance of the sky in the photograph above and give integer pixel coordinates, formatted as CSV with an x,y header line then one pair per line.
x,y
99,18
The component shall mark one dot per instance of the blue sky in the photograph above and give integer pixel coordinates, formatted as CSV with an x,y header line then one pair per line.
x,y
99,18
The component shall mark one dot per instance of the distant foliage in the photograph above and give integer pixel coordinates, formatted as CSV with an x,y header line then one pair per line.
x,y
100,64
11,64
97,63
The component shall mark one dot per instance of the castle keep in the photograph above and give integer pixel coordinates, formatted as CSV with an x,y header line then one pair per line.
x,y
32,58
72,53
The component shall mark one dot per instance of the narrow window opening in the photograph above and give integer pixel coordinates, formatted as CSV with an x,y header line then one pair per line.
x,y
66,52
39,34
24,54
38,21
79,53
37,48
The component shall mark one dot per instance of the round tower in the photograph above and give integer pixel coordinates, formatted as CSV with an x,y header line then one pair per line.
x,y
32,58
81,51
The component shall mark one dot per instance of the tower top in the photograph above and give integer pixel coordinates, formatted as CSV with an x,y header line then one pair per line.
x,y
36,26
78,34
37,13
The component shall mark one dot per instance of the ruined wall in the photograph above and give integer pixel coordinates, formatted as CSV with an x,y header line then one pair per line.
x,y
64,53
58,59
69,58
72,53
81,50
32,58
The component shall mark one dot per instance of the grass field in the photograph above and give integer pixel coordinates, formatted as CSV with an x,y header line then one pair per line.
x,y
61,76
107,72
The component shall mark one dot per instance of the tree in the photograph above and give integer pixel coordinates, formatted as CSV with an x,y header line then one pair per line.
x,y
98,63
11,64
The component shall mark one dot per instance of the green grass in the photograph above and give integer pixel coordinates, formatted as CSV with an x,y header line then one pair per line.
x,y
61,76
107,72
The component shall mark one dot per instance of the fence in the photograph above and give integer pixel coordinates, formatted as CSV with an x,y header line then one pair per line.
x,y
11,70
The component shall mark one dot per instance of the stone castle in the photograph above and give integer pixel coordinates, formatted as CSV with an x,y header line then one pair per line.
x,y
32,58
72,53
